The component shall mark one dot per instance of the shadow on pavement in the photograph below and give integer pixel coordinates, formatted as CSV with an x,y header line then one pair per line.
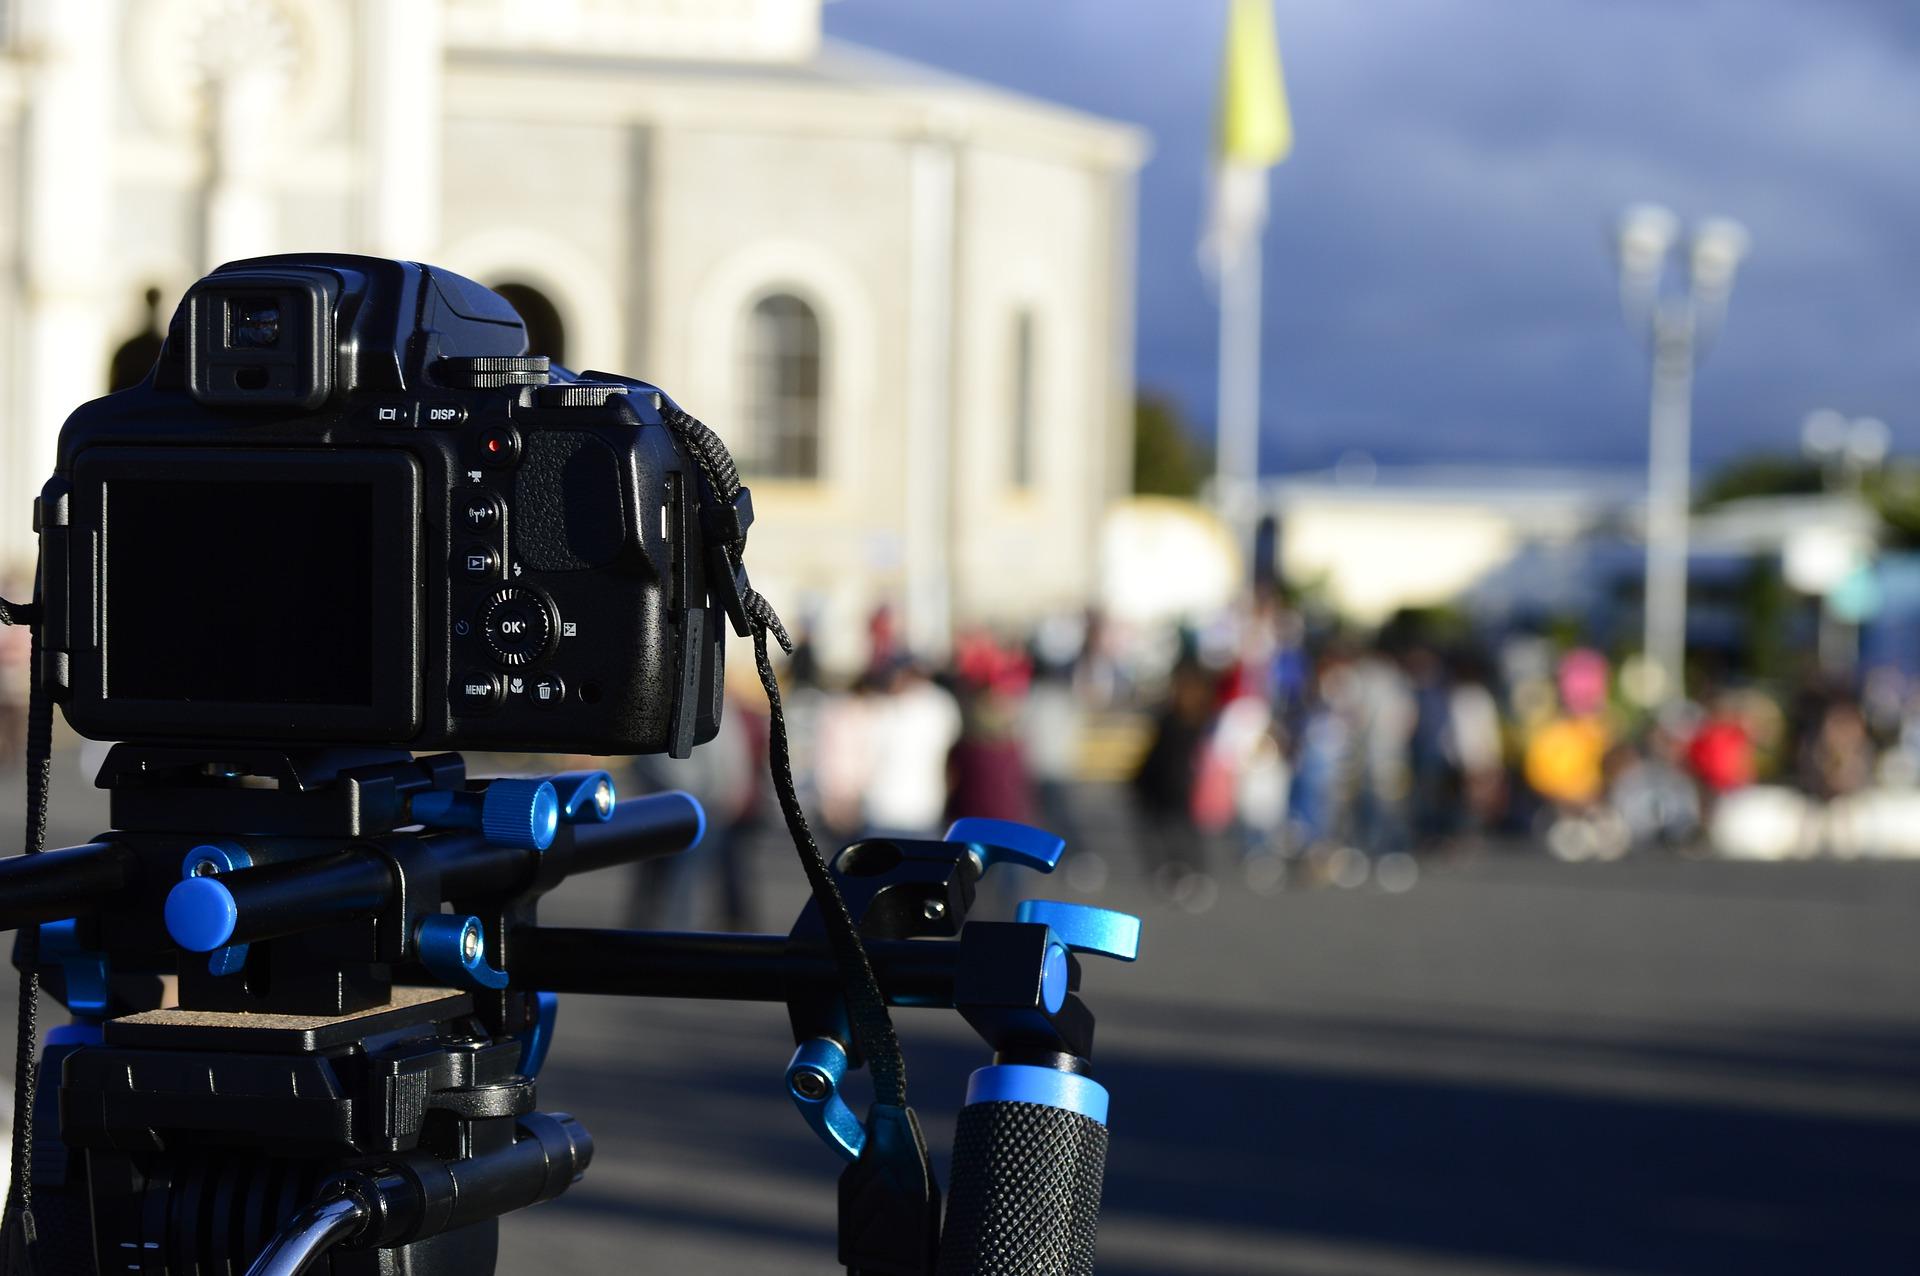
x,y
1458,1171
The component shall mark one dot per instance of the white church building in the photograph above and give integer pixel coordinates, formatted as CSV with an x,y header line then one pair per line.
x,y
904,298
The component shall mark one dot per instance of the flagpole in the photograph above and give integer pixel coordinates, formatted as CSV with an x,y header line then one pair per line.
x,y
1255,133
1237,447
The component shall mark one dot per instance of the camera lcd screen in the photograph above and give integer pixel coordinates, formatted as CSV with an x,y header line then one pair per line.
x,y
243,592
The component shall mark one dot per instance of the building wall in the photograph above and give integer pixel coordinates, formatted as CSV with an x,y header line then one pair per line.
x,y
1055,270
653,205
749,217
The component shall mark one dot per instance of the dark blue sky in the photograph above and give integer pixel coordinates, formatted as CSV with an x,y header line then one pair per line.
x,y
1439,279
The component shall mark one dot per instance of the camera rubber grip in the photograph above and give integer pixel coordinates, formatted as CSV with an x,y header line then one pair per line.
x,y
1025,1199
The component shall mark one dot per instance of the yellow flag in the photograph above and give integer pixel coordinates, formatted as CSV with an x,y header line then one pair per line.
x,y
1254,128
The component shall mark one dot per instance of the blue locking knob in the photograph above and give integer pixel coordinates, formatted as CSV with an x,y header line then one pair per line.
x,y
206,860
201,914
1084,928
991,842
586,797
522,813
516,813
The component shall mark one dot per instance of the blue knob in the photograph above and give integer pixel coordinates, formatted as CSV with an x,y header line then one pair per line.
x,y
1055,976
522,813
1084,928
992,842
201,914
219,857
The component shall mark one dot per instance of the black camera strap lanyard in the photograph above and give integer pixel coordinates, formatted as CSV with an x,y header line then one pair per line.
x,y
18,1234
892,1173
753,616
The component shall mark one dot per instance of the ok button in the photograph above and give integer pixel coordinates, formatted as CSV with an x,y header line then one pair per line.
x,y
517,626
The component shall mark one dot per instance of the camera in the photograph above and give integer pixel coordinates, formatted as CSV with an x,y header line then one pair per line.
x,y
348,507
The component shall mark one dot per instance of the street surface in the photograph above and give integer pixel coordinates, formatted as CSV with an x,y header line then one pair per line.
x,y
1518,1068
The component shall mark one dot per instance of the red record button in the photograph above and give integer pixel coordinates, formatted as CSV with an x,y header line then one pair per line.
x,y
499,446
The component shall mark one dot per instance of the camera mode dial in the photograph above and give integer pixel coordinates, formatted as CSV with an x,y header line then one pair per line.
x,y
490,372
517,626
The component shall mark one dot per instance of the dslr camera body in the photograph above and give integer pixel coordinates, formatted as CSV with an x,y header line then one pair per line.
x,y
347,508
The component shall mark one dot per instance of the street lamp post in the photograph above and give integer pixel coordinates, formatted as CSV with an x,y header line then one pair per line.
x,y
1678,325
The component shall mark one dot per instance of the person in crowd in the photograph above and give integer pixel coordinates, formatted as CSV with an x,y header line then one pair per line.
x,y
724,775
988,766
914,725
15,649
1475,744
1164,783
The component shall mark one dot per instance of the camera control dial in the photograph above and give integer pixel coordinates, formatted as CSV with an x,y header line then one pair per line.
x,y
516,624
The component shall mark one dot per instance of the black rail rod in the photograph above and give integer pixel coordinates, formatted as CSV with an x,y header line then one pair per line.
x,y
357,881
717,966
64,883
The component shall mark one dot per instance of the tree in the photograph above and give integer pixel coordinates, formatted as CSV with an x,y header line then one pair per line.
x,y
1167,459
1764,475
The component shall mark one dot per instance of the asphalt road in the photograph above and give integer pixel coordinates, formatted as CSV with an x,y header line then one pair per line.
x,y
1519,1066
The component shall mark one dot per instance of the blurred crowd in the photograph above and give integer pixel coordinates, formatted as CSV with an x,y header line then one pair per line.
x,y
1265,749
1261,749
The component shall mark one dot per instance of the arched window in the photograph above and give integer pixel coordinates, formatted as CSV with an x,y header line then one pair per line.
x,y
781,394
545,333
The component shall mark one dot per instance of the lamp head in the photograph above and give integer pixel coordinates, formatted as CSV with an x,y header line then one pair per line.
x,y
1718,245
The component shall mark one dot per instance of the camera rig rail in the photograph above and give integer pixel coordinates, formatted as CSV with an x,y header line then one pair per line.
x,y
365,1000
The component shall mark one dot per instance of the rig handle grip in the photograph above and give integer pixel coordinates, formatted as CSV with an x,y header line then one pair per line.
x,y
1029,1161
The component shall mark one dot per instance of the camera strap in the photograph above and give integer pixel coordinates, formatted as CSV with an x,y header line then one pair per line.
x,y
18,1234
726,512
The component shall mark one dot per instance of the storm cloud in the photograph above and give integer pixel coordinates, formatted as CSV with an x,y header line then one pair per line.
x,y
1439,279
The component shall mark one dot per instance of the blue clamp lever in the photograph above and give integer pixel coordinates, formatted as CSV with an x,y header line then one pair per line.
x,y
586,797
85,970
454,948
991,842
813,1079
1083,928
537,1038
1079,928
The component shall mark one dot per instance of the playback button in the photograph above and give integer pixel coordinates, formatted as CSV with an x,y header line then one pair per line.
x,y
479,562
476,691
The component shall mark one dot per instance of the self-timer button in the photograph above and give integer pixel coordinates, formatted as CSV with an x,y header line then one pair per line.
x,y
517,627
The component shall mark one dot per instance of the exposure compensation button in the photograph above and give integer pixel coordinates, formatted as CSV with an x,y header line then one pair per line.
x,y
517,627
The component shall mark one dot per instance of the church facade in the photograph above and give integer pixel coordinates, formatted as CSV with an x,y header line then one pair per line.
x,y
905,299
